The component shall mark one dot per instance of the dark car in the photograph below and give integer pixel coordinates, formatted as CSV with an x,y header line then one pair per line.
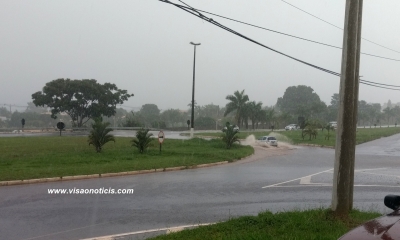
x,y
386,227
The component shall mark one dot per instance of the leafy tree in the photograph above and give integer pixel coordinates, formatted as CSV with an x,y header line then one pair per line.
x,y
99,135
396,112
262,117
270,116
300,101
229,136
190,104
210,110
173,117
142,140
4,112
335,100
254,112
328,128
284,118
311,129
197,109
362,114
32,108
82,100
150,113
237,103
133,120
118,119
34,119
373,111
2,123
389,113
205,122
159,124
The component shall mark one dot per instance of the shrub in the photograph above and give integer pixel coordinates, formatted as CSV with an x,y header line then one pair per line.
x,y
142,140
229,136
310,129
99,134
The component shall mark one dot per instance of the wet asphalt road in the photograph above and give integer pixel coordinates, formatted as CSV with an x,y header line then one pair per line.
x,y
169,199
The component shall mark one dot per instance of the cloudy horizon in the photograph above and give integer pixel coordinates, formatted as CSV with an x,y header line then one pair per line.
x,y
143,46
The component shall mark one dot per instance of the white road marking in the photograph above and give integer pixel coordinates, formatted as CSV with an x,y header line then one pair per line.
x,y
306,181
276,184
168,230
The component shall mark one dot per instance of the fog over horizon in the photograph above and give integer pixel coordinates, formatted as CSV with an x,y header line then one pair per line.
x,y
143,46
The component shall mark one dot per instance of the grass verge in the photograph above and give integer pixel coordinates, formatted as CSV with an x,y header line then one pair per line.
x,y
309,224
42,157
363,135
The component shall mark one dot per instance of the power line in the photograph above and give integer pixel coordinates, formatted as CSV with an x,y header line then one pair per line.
x,y
381,83
364,82
286,34
336,26
194,12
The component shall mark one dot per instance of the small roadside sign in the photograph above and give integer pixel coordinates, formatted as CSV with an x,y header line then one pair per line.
x,y
60,126
161,137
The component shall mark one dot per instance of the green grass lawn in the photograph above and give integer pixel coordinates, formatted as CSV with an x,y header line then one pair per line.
x,y
309,224
38,157
294,137
362,135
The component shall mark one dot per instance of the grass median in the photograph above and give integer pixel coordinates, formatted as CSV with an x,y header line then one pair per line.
x,y
42,157
309,224
294,137
363,135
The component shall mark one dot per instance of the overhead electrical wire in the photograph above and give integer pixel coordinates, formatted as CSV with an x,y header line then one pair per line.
x,y
337,26
196,13
288,35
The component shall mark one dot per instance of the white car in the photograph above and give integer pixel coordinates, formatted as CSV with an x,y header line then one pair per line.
x,y
291,127
333,124
270,140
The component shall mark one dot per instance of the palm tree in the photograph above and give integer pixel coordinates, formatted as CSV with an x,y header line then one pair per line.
x,y
254,112
99,134
142,140
262,117
270,116
237,103
229,136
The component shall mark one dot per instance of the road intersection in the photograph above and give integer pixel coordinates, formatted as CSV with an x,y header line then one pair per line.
x,y
272,179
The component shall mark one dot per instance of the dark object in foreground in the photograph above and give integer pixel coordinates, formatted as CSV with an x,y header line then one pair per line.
x,y
386,227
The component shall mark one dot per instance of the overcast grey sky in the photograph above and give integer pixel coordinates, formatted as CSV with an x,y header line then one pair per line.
x,y
143,46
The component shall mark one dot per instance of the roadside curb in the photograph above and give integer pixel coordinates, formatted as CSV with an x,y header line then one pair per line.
x,y
118,174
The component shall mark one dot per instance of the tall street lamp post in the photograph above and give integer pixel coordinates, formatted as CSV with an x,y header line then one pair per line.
x,y
194,70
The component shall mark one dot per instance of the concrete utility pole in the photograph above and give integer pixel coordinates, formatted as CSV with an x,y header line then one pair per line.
x,y
194,74
343,177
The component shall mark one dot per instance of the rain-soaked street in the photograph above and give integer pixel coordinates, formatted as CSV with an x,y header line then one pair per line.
x,y
272,179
